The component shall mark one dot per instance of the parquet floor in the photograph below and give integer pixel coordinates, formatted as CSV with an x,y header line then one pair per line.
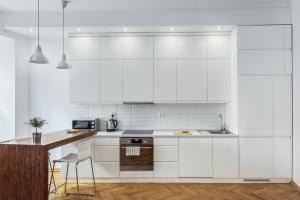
x,y
146,191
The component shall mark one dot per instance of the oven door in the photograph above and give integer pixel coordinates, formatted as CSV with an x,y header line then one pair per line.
x,y
142,162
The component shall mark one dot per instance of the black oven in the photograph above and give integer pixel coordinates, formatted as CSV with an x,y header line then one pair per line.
x,y
86,124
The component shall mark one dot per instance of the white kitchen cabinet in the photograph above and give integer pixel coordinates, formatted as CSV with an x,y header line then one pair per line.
x,y
191,81
282,100
84,81
283,157
111,47
107,141
255,106
218,80
218,46
165,169
191,47
165,72
138,47
166,141
256,158
138,81
111,81
225,158
165,47
265,62
264,37
106,153
166,153
84,48
195,157
107,169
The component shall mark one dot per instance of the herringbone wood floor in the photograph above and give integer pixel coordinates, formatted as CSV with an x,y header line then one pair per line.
x,y
142,191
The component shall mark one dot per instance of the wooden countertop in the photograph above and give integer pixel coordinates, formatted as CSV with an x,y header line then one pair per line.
x,y
55,139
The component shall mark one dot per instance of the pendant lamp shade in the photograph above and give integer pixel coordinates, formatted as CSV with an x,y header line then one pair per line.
x,y
38,57
63,64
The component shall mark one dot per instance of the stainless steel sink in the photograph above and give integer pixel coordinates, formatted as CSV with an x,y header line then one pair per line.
x,y
220,132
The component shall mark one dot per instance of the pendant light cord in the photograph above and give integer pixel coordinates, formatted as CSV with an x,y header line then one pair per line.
x,y
38,22
63,33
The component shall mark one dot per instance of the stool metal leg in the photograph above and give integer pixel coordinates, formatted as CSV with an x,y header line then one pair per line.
x,y
66,180
77,179
93,175
52,176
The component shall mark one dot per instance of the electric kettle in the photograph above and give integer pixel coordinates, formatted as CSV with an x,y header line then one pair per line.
x,y
111,124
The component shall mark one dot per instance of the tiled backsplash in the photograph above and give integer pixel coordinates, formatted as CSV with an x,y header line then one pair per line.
x,y
157,116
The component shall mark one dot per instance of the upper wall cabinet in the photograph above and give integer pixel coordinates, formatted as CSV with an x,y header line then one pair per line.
x,y
255,106
138,81
192,81
111,81
218,47
165,72
165,47
265,62
218,80
84,48
84,81
265,37
191,47
111,47
138,47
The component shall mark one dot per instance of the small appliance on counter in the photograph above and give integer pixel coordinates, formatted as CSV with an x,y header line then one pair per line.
x,y
86,124
112,123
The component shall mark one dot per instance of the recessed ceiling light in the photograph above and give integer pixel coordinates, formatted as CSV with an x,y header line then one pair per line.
x,y
31,30
219,28
172,28
78,29
125,29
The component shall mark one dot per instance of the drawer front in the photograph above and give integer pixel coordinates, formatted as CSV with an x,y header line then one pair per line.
x,y
107,154
166,153
166,169
107,141
107,169
166,141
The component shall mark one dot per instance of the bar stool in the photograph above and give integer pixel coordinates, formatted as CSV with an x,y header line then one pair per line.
x,y
52,180
84,153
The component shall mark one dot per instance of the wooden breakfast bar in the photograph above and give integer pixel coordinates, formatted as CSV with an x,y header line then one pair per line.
x,y
24,165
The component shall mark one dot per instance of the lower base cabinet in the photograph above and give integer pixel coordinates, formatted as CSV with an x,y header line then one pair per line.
x,y
225,157
256,158
283,157
165,169
195,157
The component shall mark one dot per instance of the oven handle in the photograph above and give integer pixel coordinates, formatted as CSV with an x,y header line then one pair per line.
x,y
140,147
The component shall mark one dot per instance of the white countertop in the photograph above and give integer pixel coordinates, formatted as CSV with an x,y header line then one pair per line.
x,y
163,133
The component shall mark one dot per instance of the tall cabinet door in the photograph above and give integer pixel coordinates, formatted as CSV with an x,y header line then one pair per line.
x,y
282,98
255,106
165,81
84,81
192,81
111,81
138,81
195,157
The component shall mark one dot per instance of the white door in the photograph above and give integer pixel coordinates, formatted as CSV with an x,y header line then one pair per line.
x,y
137,81
165,81
191,47
282,97
191,81
255,106
138,48
111,47
225,158
256,157
283,157
84,81
165,47
195,157
218,80
111,81
218,46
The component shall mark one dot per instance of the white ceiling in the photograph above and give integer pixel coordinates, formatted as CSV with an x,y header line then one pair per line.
x,y
108,5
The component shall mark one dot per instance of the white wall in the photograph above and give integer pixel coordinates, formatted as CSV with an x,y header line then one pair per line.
x,y
49,90
296,90
7,88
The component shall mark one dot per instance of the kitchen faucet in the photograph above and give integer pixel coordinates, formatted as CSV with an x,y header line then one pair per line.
x,y
222,127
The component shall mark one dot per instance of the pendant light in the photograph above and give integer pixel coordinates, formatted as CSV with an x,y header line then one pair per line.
x,y
38,57
63,64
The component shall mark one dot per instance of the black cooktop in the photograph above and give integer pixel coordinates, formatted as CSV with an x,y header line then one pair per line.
x,y
138,132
